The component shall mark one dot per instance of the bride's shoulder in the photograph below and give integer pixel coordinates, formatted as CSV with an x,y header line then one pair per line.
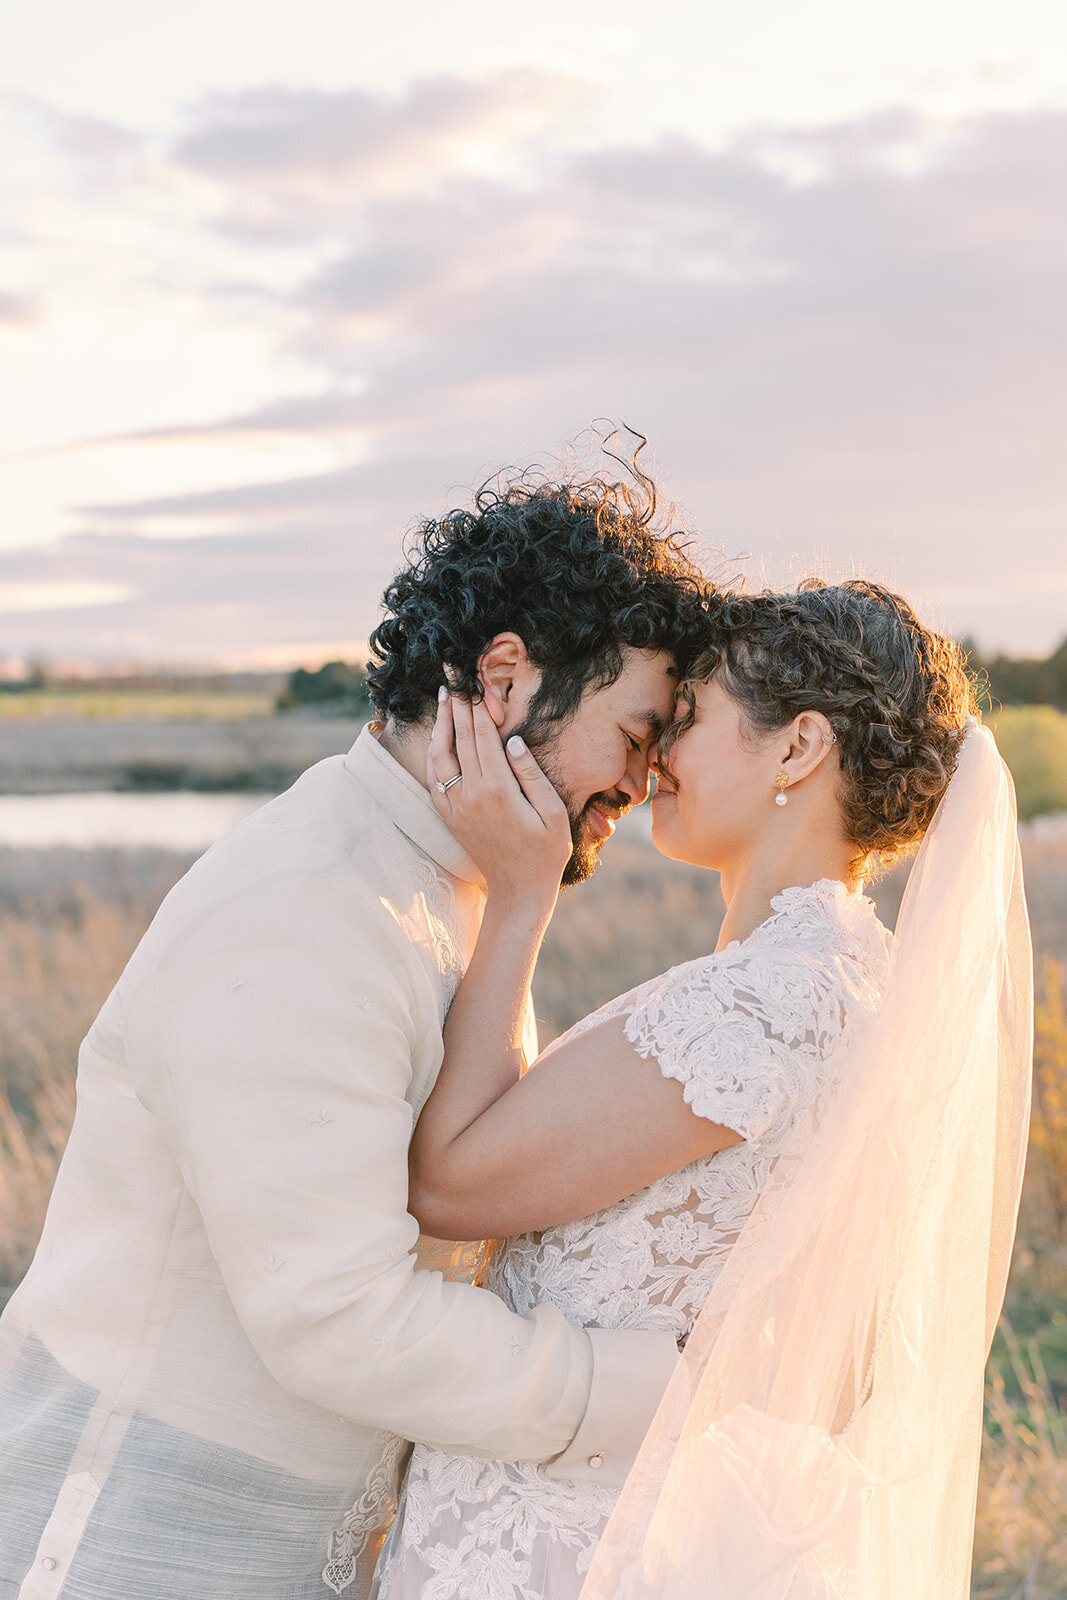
x,y
824,919
820,939
749,1029
819,961
822,926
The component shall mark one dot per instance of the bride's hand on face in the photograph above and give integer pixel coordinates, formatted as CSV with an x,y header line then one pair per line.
x,y
504,811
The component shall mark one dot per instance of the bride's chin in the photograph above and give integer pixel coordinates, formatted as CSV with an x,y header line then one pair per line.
x,y
671,838
668,839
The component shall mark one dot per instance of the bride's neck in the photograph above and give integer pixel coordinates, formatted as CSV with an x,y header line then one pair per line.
x,y
751,883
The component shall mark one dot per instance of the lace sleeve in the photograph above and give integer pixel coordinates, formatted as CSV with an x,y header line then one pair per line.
x,y
744,1032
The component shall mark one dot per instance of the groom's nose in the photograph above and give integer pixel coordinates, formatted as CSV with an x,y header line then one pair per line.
x,y
635,781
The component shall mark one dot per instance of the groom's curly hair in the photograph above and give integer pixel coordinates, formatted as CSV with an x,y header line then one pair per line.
x,y
896,694
578,570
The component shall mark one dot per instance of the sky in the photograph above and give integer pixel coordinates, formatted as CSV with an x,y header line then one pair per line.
x,y
276,281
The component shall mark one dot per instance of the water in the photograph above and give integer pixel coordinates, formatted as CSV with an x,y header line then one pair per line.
x,y
179,821
185,821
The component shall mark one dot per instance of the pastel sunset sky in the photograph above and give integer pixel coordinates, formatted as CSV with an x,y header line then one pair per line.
x,y
275,279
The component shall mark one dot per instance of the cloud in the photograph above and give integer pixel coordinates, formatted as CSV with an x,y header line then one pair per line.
x,y
867,361
845,343
278,133
90,147
712,259
61,596
287,160
19,310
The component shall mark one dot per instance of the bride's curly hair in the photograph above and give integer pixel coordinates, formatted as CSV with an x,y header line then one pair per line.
x,y
895,693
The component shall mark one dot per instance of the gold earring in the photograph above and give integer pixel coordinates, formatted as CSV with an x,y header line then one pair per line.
x,y
781,783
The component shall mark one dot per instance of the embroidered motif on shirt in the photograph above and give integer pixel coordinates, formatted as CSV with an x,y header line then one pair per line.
x,y
442,924
371,1511
458,1261
233,984
320,1119
274,1264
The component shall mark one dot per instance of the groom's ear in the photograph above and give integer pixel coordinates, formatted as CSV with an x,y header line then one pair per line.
x,y
508,680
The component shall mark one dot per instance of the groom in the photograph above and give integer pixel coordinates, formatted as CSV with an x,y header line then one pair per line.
x,y
231,1325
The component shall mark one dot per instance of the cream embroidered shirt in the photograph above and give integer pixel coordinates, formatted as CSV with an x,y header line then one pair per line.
x,y
230,1326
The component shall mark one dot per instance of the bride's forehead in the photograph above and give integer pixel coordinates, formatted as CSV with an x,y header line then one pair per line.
x,y
710,700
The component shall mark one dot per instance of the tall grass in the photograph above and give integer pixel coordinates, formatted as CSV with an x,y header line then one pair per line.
x,y
69,920
1033,741
1020,1546
1021,1534
1048,1132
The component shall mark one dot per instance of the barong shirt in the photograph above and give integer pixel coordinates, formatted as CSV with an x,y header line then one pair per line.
x,y
229,1326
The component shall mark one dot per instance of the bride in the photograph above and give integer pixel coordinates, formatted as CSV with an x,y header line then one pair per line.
x,y
800,1153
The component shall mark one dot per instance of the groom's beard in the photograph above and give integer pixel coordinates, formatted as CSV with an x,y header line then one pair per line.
x,y
585,850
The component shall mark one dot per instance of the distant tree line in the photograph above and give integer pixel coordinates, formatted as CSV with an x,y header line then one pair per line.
x,y
1021,680
35,677
339,687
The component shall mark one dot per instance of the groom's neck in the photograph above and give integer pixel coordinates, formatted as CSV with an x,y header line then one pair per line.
x,y
408,743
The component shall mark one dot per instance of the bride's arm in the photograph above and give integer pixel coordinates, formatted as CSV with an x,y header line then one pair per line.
x,y
496,1151
592,1122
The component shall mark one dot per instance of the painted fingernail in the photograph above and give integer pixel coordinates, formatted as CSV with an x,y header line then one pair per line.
x,y
516,746
442,695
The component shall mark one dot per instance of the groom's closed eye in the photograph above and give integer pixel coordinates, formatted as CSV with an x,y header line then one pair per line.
x,y
644,730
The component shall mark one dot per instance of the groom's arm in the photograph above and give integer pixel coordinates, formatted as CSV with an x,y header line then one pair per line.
x,y
275,1045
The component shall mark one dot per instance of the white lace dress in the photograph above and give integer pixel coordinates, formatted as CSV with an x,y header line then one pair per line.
x,y
752,1032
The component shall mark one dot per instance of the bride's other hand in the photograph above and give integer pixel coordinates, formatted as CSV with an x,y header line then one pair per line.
x,y
503,809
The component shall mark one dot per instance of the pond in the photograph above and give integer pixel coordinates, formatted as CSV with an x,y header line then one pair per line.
x,y
172,821
184,820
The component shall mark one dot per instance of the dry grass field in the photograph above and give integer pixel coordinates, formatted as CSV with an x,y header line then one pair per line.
x,y
147,750
113,705
69,919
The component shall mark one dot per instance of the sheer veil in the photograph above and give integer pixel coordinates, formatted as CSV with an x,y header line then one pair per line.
x,y
821,1437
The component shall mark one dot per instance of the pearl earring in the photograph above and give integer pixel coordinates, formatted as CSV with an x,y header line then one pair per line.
x,y
781,781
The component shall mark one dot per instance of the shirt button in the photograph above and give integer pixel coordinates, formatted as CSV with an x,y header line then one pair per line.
x,y
596,1461
48,1563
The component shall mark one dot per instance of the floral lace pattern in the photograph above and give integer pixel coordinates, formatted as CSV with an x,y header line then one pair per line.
x,y
752,1034
494,1529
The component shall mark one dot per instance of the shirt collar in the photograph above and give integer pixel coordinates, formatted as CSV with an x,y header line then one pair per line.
x,y
407,803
